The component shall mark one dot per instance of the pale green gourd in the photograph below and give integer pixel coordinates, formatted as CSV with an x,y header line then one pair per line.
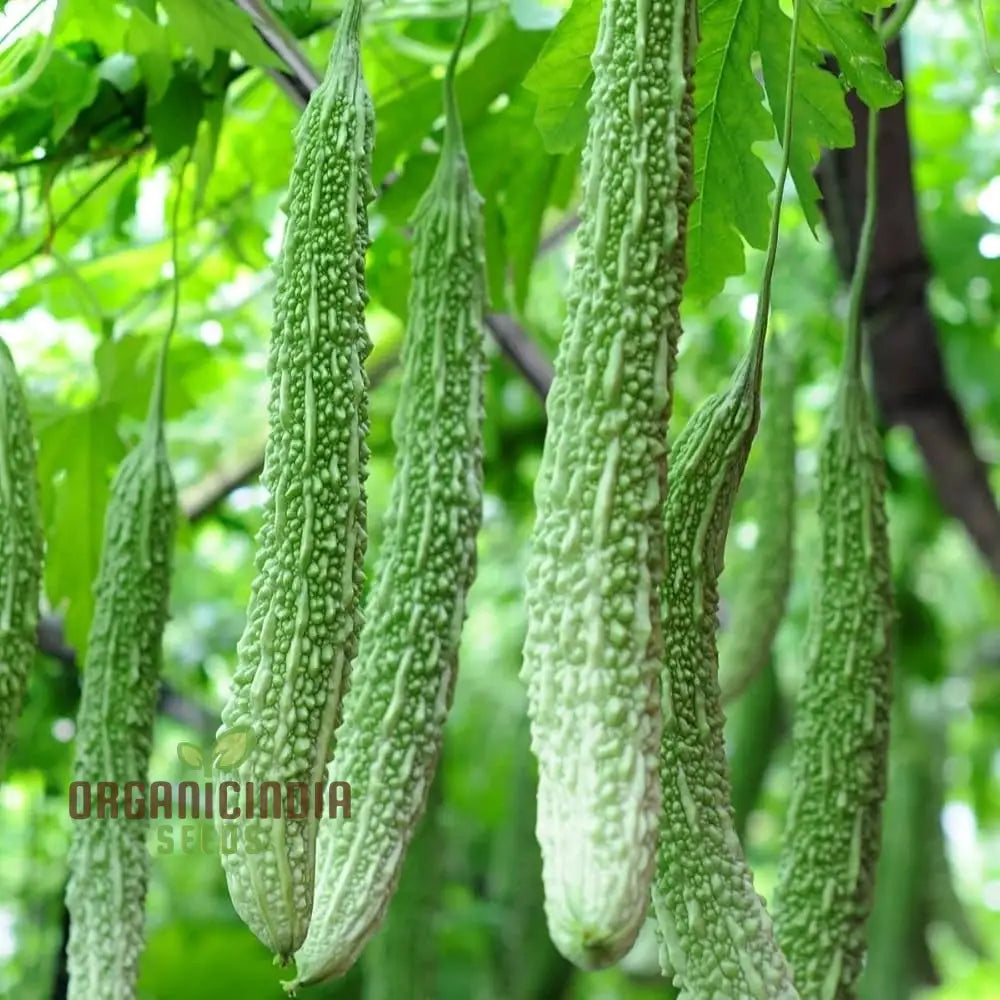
x,y
401,691
109,858
716,935
757,609
20,550
593,648
304,615
840,737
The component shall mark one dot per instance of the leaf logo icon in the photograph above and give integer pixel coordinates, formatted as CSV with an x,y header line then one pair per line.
x,y
190,756
233,747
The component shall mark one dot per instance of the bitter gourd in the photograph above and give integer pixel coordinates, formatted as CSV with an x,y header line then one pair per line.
x,y
401,962
840,734
593,647
304,613
716,935
20,550
745,644
109,860
390,739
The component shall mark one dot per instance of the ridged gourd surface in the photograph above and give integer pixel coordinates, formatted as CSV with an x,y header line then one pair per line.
x,y
304,614
401,691
746,643
20,550
716,934
832,833
593,648
109,857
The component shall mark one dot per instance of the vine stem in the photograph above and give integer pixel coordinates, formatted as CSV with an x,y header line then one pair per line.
x,y
893,24
158,400
852,360
753,363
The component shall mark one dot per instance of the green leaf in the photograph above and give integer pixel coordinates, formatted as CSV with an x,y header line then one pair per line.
x,y
233,747
149,42
840,27
732,184
65,87
174,119
562,76
821,117
76,454
207,25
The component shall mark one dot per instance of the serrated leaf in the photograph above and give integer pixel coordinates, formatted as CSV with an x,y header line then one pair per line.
x,y
821,119
562,75
732,184
840,27
190,756
233,747
207,25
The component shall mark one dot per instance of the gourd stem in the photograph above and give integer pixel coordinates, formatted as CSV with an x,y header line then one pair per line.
x,y
855,333
453,142
753,362
41,60
893,24
156,405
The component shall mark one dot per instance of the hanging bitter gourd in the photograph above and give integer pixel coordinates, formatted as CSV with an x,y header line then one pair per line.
x,y
109,859
390,739
20,550
304,613
716,935
840,734
746,642
593,647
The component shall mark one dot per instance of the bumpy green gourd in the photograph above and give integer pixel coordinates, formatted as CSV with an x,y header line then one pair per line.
x,y
109,859
745,644
840,735
304,613
20,550
716,932
400,963
593,648
394,713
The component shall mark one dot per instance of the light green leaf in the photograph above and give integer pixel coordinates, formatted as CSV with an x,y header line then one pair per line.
x,y
562,76
207,25
821,117
76,456
732,184
840,27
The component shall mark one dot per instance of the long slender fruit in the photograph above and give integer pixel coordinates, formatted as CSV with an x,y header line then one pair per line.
x,y
716,934
840,737
304,614
746,643
109,860
593,648
390,739
20,550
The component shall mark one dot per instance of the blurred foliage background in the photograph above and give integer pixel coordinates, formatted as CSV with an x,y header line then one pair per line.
x,y
88,159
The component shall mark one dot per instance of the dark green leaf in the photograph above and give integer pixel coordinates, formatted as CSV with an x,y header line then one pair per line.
x,y
174,119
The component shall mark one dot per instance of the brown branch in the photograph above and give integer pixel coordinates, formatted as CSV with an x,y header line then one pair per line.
x,y
521,350
910,381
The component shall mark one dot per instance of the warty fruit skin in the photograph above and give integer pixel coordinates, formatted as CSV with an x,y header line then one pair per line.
x,y
593,648
826,869
389,742
109,858
304,614
715,931
20,550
